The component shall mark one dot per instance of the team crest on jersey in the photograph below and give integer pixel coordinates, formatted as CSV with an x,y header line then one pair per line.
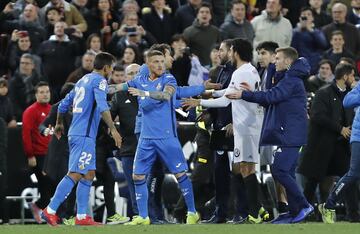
x,y
86,79
236,152
102,85
81,166
158,87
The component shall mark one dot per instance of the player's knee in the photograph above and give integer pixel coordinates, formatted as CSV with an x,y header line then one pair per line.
x,y
90,175
138,177
74,176
236,169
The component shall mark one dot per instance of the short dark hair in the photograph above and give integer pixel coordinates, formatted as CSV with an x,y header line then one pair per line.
x,y
343,69
348,60
161,47
152,53
327,61
118,67
52,8
227,43
269,46
3,82
289,52
102,59
337,32
178,37
40,84
235,2
204,4
66,88
307,8
28,56
243,48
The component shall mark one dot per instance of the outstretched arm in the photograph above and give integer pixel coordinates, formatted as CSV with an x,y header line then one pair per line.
x,y
117,87
157,95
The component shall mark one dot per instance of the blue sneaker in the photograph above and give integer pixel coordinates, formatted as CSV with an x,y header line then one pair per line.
x,y
303,214
284,218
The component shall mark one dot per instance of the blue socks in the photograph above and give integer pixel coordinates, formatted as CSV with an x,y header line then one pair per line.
x,y
82,196
141,194
62,191
187,192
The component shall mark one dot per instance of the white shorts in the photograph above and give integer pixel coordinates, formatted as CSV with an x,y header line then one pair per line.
x,y
246,149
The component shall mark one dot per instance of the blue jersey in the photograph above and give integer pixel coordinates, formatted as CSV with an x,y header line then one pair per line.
x,y
88,101
158,117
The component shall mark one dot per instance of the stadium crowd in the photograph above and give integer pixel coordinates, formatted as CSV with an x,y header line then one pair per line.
x,y
263,80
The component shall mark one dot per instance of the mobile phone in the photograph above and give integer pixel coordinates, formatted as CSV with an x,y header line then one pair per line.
x,y
130,29
303,18
69,31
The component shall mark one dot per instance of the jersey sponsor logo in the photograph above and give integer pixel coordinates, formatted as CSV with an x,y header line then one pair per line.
x,y
43,114
102,85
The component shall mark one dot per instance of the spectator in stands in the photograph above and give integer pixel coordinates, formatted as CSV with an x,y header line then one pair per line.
x,y
182,62
93,44
129,6
70,14
52,16
58,56
351,35
87,65
102,20
21,85
332,123
310,42
131,55
321,18
118,75
3,172
272,26
159,21
6,107
186,14
236,25
81,6
130,32
36,145
324,76
20,44
338,49
202,36
354,13
27,22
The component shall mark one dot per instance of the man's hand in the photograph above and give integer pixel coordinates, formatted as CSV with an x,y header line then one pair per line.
x,y
116,136
235,95
209,85
59,130
9,8
32,161
12,124
136,92
346,132
49,130
189,103
229,130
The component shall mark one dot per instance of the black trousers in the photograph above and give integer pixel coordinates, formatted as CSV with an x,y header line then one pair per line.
x,y
45,184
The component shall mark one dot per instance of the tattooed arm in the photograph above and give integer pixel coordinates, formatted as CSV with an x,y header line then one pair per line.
x,y
117,87
157,95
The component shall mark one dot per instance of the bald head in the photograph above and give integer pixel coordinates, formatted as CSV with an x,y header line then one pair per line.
x,y
338,13
30,13
131,71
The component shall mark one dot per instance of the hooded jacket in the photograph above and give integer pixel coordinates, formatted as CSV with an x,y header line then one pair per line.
x,y
285,120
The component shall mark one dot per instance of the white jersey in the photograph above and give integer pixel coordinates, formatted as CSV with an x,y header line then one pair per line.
x,y
247,116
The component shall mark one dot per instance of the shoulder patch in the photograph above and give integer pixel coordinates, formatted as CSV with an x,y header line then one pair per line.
x,y
103,85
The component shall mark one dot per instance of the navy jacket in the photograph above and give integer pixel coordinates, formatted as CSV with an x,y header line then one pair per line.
x,y
285,120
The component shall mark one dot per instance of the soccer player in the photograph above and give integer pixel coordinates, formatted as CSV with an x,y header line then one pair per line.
x,y
88,101
158,135
247,118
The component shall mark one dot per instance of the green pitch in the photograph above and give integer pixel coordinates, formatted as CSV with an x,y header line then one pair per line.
x,y
313,228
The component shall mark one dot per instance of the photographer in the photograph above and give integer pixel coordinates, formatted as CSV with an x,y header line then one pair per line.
x,y
307,40
130,33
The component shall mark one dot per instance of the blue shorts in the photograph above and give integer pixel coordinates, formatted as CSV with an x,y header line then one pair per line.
x,y
82,154
169,150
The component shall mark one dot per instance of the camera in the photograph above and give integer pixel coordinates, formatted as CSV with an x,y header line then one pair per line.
x,y
69,31
130,29
303,18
